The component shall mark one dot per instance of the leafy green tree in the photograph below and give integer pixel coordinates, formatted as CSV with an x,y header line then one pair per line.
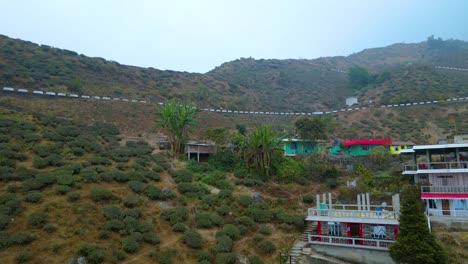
x,y
379,155
75,86
314,128
241,129
290,169
219,135
366,178
176,118
434,43
201,93
415,244
358,77
259,147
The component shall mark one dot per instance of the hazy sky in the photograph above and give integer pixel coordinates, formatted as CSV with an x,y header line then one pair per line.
x,y
198,35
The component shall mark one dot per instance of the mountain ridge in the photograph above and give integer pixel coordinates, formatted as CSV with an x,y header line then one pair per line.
x,y
295,85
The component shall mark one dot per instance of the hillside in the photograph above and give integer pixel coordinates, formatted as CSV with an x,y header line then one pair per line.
x,y
86,177
68,189
247,83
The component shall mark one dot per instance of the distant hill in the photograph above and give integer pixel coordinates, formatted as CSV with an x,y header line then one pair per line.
x,y
398,73
247,83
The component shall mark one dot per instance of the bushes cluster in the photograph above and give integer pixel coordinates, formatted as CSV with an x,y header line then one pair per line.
x,y
192,239
176,215
73,196
223,210
33,197
132,200
165,257
9,206
37,219
38,182
154,193
62,189
224,244
265,230
226,258
229,230
191,190
244,220
52,160
131,149
99,194
93,253
308,198
282,217
23,256
98,160
129,245
23,238
259,213
179,227
245,200
207,220
266,247
126,222
136,186
183,175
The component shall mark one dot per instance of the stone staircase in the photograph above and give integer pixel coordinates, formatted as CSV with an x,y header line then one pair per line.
x,y
303,253
311,228
295,253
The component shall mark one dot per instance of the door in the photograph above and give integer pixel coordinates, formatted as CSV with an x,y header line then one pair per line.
x,y
354,229
445,207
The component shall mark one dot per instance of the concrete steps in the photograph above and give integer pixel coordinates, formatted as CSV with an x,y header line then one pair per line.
x,y
311,228
296,252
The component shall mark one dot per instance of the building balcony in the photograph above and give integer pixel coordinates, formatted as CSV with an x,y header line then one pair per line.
x,y
436,167
353,216
354,242
444,189
448,213
444,192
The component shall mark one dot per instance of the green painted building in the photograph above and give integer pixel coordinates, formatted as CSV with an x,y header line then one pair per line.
x,y
294,146
359,146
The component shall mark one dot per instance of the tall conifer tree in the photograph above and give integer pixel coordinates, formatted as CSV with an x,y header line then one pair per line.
x,y
415,244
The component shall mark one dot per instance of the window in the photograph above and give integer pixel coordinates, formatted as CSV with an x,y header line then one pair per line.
x,y
294,145
459,204
379,232
396,148
365,147
334,228
432,204
424,177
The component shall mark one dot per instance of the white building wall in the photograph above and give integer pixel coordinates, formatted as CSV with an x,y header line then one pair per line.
x,y
457,179
351,100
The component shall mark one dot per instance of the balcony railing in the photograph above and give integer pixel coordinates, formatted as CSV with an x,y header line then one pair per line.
x,y
447,213
350,242
444,189
352,213
436,166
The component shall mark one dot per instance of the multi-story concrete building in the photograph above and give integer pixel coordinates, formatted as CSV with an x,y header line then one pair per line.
x,y
360,225
442,172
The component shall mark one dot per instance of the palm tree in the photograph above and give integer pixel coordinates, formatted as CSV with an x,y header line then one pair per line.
x,y
259,147
175,119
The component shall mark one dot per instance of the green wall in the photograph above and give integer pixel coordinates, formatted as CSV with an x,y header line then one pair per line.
x,y
292,148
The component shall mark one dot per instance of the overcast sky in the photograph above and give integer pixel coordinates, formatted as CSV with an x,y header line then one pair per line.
x,y
198,35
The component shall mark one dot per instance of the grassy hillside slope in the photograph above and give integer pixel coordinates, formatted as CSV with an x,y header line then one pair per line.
x,y
294,85
68,189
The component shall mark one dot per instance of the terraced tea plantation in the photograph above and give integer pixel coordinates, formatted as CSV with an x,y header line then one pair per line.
x,y
71,191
